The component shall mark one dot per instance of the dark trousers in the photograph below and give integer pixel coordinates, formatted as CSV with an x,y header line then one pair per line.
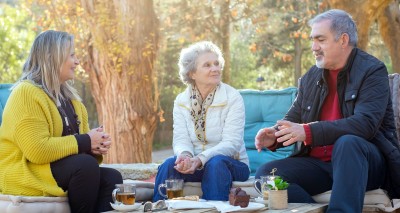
x,y
89,186
357,165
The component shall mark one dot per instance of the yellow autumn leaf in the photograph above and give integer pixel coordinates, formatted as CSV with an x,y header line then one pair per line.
x,y
234,13
253,48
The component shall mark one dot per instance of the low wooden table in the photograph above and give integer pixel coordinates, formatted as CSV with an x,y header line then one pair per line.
x,y
302,207
293,207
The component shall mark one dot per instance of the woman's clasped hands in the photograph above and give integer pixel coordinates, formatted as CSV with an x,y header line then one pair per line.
x,y
186,164
100,141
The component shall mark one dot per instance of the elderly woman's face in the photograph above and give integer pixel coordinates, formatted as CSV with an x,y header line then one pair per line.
x,y
208,70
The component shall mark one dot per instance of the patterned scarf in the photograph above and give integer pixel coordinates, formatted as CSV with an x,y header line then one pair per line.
x,y
198,112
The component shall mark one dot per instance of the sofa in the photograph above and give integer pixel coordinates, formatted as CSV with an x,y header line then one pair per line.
x,y
262,109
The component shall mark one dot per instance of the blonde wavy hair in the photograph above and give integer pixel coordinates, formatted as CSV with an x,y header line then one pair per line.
x,y
43,66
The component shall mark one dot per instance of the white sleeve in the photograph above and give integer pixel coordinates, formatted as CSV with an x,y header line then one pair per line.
x,y
181,138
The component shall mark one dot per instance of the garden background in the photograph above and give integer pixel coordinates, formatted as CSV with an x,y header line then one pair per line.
x,y
128,78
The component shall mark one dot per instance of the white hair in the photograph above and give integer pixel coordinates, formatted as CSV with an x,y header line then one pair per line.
x,y
188,58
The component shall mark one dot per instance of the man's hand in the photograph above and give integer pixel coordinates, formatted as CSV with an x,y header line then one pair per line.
x,y
290,132
265,138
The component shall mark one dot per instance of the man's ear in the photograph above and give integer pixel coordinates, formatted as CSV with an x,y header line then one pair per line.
x,y
344,39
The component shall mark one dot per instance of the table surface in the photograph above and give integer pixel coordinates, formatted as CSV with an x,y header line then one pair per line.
x,y
292,207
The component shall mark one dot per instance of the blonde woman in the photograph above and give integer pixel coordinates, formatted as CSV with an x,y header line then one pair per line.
x,y
208,127
46,147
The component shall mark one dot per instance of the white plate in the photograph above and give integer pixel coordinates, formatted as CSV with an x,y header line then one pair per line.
x,y
223,206
188,204
125,208
251,207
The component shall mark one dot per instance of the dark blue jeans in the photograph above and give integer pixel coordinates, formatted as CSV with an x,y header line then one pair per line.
x,y
357,165
216,177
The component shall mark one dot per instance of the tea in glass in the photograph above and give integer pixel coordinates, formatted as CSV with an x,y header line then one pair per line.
x,y
174,193
174,188
124,193
127,198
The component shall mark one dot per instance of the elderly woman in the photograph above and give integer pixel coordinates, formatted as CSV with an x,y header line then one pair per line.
x,y
46,147
208,127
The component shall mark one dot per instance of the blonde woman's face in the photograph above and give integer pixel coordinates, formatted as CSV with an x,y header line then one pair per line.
x,y
208,70
69,66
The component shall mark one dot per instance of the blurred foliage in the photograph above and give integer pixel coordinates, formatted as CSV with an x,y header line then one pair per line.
x,y
282,33
16,36
378,48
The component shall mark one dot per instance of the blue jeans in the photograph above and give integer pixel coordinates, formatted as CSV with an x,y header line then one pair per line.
x,y
216,177
357,165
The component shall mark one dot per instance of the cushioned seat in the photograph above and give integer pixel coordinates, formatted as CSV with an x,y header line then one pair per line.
x,y
22,204
263,109
15,204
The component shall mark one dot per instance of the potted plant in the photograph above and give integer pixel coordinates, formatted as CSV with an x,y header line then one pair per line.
x,y
278,197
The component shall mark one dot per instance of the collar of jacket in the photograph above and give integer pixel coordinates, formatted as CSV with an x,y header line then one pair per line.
x,y
220,98
346,69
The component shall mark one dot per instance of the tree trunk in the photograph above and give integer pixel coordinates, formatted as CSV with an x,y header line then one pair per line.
x,y
121,64
364,12
225,40
298,51
389,27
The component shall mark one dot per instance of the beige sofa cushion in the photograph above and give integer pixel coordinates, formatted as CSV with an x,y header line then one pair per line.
x,y
194,188
23,204
372,197
144,190
16,204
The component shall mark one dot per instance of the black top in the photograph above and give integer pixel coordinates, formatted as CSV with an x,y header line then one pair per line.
x,y
71,126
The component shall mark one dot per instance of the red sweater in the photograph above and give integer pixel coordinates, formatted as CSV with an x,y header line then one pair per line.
x,y
330,111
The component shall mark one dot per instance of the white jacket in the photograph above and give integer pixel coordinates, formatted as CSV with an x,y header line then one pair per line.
x,y
224,126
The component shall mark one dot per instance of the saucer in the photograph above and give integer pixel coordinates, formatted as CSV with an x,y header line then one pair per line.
x,y
261,200
125,208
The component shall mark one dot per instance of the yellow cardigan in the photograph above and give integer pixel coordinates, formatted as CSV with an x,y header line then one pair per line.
x,y
30,139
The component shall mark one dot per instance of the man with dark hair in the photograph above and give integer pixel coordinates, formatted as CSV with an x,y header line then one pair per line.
x,y
341,121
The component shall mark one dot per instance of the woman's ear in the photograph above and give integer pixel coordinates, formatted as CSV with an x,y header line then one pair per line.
x,y
192,75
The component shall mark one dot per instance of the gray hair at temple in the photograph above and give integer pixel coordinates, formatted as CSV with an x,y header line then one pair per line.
x,y
341,22
188,58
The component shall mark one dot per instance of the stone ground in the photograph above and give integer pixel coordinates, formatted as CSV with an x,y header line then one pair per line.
x,y
160,155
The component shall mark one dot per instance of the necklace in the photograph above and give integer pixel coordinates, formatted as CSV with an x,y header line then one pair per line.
x,y
70,119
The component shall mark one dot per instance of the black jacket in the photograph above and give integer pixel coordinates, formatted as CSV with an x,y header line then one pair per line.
x,y
365,103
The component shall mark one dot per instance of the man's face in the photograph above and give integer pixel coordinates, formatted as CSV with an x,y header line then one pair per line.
x,y
328,53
